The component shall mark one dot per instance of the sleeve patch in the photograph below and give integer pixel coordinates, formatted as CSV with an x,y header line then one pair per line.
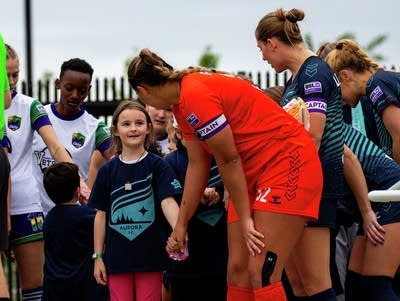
x,y
211,128
375,94
312,87
192,119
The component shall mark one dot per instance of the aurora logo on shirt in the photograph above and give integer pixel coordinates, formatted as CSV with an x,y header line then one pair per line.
x,y
212,127
14,122
78,140
132,211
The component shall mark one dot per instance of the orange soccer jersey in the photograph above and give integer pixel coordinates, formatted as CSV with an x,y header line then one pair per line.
x,y
280,161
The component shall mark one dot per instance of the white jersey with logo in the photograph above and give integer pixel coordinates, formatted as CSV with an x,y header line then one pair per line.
x,y
20,119
80,135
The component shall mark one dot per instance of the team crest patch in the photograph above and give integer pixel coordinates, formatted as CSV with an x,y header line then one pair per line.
x,y
311,69
376,94
78,140
14,122
312,87
192,119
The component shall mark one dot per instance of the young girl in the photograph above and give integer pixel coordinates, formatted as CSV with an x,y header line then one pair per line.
x,y
265,158
133,194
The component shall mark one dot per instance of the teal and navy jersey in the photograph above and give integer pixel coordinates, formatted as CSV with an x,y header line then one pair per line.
x,y
136,228
380,171
369,115
316,83
383,89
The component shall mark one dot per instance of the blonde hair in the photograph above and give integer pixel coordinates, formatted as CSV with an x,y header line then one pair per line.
x,y
11,53
130,105
282,25
349,55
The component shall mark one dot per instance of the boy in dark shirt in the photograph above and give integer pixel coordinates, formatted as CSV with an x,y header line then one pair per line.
x,y
68,240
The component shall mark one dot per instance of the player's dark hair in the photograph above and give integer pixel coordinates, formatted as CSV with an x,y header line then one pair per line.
x,y
76,64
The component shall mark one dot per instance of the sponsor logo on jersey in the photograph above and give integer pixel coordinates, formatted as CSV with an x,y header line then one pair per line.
x,y
192,119
211,128
78,140
44,159
14,122
41,108
375,94
312,87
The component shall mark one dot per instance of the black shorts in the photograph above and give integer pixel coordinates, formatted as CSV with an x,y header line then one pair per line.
x,y
326,214
386,213
4,175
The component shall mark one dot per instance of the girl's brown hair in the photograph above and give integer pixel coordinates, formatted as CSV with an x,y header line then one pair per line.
x,y
130,105
282,25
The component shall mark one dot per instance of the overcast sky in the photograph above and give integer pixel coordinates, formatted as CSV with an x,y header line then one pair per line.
x,y
106,33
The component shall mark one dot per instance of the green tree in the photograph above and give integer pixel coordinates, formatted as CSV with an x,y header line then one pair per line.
x,y
47,75
209,58
370,47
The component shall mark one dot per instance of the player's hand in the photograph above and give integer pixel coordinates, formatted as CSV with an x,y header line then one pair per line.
x,y
100,271
252,237
374,232
177,240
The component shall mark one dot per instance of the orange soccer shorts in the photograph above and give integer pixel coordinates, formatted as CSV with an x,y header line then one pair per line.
x,y
285,180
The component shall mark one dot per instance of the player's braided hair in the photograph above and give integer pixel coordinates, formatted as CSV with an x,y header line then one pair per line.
x,y
349,55
148,68
281,24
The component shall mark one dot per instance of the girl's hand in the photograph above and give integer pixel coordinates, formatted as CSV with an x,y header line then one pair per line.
x,y
100,271
252,237
373,231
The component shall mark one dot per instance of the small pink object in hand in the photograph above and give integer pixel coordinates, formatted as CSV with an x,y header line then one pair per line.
x,y
180,255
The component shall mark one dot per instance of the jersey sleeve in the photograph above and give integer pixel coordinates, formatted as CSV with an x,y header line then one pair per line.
x,y
200,111
100,191
380,90
165,180
103,137
315,85
39,115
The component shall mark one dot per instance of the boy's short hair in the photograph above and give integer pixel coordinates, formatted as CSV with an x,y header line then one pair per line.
x,y
60,181
76,64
